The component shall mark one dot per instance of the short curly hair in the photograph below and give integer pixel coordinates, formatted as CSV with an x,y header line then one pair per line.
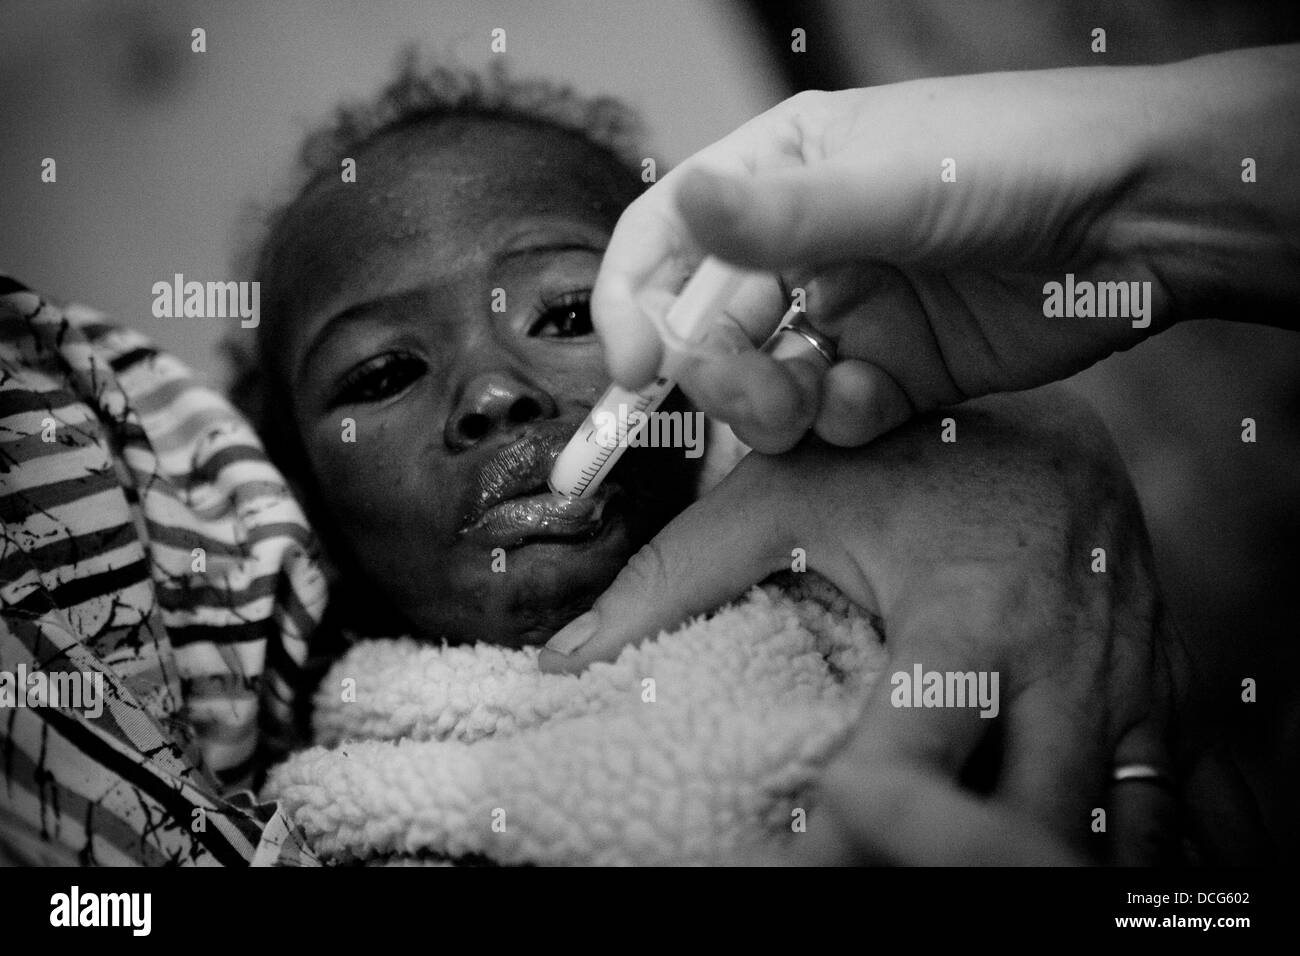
x,y
419,91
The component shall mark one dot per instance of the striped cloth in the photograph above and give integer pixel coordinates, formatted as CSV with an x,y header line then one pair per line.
x,y
148,544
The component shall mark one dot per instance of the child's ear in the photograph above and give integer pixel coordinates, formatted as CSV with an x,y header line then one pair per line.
x,y
247,390
285,449
244,379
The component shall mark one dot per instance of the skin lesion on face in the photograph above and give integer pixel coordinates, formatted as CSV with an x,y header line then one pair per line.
x,y
440,303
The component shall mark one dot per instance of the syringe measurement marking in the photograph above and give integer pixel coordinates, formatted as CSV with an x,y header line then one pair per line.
x,y
589,473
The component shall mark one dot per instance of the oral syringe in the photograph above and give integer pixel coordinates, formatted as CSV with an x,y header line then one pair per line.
x,y
595,448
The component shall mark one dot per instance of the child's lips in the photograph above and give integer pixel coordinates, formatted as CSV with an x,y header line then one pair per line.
x,y
545,515
512,502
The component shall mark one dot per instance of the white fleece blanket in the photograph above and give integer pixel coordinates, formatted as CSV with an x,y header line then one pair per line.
x,y
690,748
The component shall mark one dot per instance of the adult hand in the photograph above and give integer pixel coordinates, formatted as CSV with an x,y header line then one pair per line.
x,y
977,555
924,221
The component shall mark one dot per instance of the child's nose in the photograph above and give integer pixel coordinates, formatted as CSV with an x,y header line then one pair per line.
x,y
493,401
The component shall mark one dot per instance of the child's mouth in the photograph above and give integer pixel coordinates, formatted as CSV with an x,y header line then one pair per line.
x,y
512,504
542,516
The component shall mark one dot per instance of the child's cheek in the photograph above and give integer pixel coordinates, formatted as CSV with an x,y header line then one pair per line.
x,y
369,471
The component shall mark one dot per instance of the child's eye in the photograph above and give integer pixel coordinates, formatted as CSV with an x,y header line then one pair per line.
x,y
567,317
379,378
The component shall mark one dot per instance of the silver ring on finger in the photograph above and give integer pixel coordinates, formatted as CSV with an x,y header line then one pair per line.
x,y
1140,773
796,336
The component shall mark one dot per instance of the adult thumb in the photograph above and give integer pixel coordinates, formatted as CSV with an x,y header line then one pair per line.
x,y
800,216
709,554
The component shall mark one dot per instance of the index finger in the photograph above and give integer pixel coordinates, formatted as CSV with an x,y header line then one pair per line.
x,y
711,553
652,251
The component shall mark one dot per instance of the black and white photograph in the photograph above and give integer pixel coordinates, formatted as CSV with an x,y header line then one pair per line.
x,y
732,433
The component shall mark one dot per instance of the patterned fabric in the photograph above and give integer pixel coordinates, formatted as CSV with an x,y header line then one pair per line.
x,y
151,547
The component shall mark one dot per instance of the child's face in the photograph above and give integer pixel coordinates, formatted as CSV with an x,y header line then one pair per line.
x,y
439,302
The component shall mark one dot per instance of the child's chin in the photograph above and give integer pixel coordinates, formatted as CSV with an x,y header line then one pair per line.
x,y
525,593
544,568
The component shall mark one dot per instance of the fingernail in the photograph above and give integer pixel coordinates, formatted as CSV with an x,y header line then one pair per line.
x,y
655,304
574,634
